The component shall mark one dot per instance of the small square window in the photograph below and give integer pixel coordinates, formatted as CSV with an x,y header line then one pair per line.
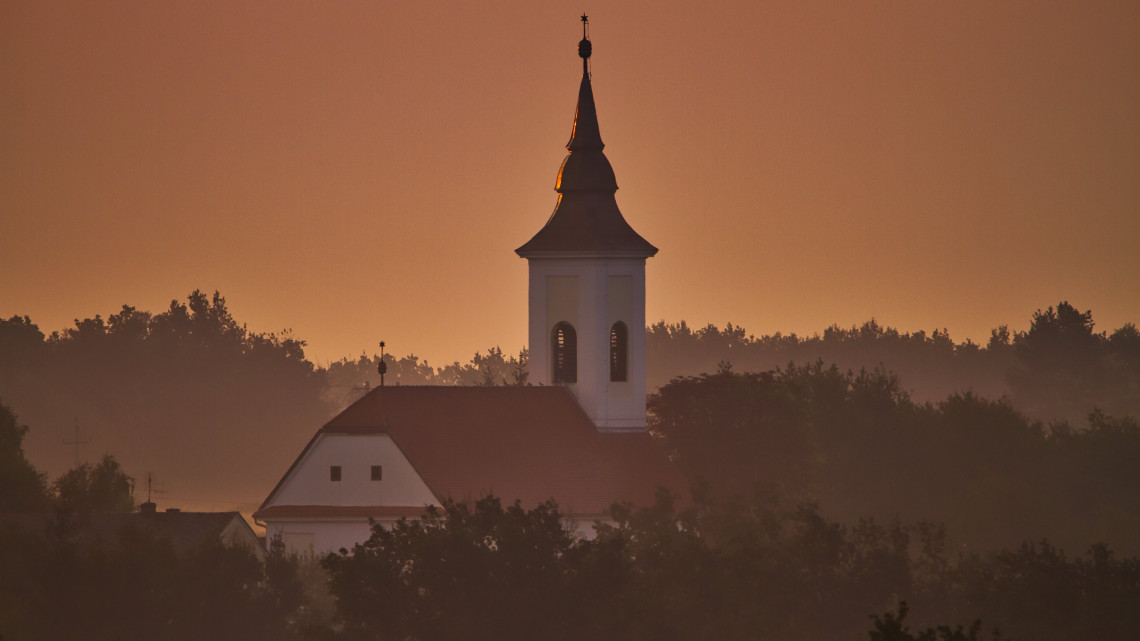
x,y
377,472
334,472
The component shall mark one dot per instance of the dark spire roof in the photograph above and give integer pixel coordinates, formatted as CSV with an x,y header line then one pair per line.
x,y
586,219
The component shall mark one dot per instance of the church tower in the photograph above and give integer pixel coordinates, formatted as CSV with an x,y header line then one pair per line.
x,y
587,282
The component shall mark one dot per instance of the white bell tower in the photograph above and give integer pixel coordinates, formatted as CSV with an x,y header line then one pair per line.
x,y
587,283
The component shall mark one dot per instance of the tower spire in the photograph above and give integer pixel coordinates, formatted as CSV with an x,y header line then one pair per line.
x,y
586,217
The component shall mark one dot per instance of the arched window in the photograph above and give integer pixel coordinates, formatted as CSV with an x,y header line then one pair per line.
x,y
564,353
619,352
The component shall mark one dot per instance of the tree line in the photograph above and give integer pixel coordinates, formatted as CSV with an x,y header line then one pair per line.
x,y
1058,369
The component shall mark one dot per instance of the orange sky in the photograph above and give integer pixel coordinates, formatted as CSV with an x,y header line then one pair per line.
x,y
359,171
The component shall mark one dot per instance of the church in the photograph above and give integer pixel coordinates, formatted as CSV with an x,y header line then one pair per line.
x,y
576,433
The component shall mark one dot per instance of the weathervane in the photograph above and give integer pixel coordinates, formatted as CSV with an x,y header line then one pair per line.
x,y
382,367
584,47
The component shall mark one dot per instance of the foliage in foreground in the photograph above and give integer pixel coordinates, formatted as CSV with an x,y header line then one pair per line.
x,y
890,627
58,584
741,571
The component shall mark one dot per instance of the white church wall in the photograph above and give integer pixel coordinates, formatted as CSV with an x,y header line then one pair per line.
x,y
592,293
319,537
355,454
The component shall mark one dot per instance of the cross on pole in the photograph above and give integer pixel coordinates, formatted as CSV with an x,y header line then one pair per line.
x,y
76,442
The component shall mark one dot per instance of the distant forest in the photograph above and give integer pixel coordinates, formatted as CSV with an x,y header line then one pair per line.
x,y
216,411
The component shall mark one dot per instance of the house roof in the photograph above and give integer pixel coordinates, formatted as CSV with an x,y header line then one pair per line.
x,y
586,219
524,443
185,530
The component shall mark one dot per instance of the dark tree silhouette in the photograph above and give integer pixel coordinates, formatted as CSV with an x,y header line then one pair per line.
x,y
22,486
103,487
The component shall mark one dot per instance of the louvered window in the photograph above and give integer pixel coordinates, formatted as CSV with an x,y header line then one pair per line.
x,y
619,352
564,353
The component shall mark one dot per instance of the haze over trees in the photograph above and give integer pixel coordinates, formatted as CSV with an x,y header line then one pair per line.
x,y
858,446
1060,368
104,487
188,394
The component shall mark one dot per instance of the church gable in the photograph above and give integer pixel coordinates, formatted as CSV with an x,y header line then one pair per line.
x,y
357,468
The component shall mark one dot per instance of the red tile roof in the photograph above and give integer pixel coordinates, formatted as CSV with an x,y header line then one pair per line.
x,y
525,443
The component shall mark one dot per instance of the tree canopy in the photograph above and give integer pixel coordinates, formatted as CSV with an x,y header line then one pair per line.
x,y
742,569
859,446
22,486
1059,369
103,487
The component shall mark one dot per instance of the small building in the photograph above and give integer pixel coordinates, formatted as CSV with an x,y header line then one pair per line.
x,y
576,434
184,530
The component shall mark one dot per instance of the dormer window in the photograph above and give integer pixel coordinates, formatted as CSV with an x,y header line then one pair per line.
x,y
619,352
334,472
564,353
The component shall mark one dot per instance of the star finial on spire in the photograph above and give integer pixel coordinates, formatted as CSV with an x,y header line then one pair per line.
x,y
584,47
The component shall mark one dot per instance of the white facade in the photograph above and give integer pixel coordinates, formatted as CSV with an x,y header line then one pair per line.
x,y
592,294
311,483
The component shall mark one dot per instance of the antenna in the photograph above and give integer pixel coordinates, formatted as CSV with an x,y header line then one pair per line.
x,y
76,442
382,367
149,506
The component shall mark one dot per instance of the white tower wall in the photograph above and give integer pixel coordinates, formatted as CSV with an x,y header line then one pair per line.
x,y
591,294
